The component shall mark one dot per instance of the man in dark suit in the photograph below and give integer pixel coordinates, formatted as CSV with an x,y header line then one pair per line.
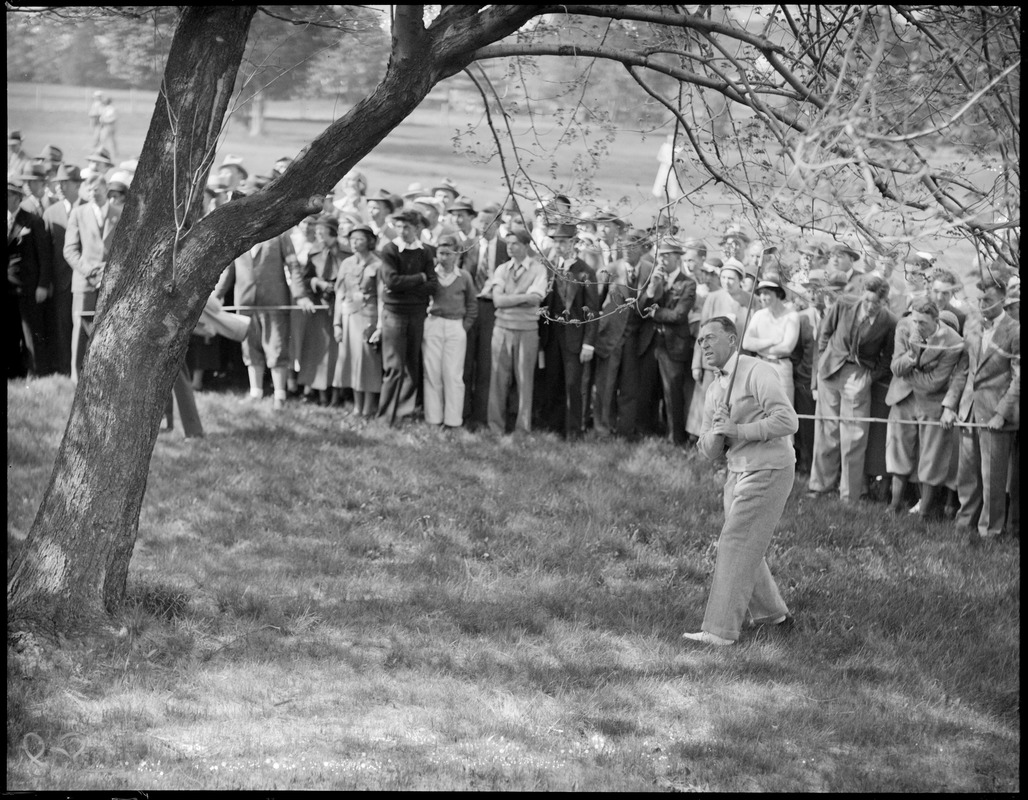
x,y
668,301
27,277
491,252
638,375
87,247
566,343
55,222
986,390
944,287
855,343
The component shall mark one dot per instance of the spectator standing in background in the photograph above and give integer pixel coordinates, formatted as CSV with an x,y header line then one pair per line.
x,y
108,125
68,181
451,313
356,323
319,349
95,112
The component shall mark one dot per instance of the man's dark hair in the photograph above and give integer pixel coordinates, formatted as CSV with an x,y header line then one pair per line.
x,y
877,285
987,283
924,305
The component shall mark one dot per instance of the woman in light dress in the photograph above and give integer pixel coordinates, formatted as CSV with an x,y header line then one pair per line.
x,y
359,364
774,330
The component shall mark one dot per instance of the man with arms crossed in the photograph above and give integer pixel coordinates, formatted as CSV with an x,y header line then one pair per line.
x,y
754,424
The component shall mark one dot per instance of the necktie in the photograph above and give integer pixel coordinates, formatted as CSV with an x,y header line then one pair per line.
x,y
632,277
986,324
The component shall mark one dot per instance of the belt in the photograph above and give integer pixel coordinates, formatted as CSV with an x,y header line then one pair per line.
x,y
770,359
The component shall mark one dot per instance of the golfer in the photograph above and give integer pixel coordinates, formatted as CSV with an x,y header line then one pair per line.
x,y
753,424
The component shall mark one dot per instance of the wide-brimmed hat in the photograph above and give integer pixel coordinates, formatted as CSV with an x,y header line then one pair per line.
x,y
670,246
562,231
462,203
608,214
102,156
414,190
15,187
329,221
68,172
429,201
384,197
736,232
772,282
845,247
693,243
735,265
14,137
120,181
446,185
237,162
32,172
51,153
712,265
812,249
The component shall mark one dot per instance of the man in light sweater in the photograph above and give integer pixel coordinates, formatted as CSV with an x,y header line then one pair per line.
x,y
516,288
752,429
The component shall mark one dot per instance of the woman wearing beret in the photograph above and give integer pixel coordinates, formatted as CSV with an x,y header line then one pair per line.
x,y
359,365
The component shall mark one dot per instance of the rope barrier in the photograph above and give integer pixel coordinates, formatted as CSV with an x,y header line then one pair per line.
x,y
892,421
241,308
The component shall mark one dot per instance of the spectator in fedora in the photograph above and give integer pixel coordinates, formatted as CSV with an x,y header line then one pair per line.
x,y
67,181
668,301
566,347
408,280
87,248
986,390
34,179
855,345
944,289
926,355
356,323
491,252
232,174
100,161
379,207
517,287
27,270
843,257
445,192
462,213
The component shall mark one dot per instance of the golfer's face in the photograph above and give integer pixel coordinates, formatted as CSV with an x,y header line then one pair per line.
x,y
715,345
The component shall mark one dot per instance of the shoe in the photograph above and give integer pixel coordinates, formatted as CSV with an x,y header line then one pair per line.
x,y
814,494
708,638
279,404
783,623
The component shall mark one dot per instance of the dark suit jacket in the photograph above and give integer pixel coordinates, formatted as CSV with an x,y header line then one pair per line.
x,y
482,272
26,267
643,328
672,317
55,222
874,347
578,297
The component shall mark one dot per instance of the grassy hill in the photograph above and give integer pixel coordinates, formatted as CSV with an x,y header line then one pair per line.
x,y
320,604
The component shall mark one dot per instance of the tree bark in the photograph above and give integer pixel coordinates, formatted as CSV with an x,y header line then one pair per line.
x,y
165,262
74,565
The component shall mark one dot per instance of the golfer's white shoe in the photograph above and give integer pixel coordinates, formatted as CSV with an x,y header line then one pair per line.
x,y
707,638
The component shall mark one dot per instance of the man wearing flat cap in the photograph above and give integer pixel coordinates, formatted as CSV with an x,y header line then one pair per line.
x,y
668,301
68,181
27,279
566,343
516,288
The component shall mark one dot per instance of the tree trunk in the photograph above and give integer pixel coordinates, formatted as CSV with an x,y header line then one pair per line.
x,y
165,262
75,561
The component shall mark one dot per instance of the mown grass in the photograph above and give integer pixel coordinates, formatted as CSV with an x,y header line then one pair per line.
x,y
315,604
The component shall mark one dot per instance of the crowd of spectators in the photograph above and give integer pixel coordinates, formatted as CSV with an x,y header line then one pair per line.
x,y
424,307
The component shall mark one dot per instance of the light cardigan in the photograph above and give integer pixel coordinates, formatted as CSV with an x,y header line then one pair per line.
x,y
763,414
